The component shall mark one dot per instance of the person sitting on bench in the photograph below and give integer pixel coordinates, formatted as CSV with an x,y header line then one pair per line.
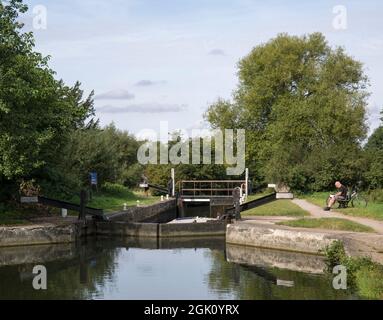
x,y
341,195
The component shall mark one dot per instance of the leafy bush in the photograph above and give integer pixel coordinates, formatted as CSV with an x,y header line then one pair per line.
x,y
370,282
375,195
335,255
132,175
362,274
114,189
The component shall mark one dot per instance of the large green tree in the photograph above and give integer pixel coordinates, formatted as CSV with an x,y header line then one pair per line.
x,y
374,158
37,112
108,151
302,104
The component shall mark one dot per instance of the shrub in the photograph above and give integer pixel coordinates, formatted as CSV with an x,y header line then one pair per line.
x,y
370,282
132,175
335,255
113,189
363,275
375,195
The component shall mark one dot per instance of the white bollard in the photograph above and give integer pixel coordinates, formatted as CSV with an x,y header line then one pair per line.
x,y
125,206
64,212
167,197
162,198
138,203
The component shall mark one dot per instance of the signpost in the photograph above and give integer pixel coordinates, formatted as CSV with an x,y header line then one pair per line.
x,y
29,199
93,182
93,178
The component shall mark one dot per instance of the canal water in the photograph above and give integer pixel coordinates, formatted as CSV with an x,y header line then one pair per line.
x,y
163,269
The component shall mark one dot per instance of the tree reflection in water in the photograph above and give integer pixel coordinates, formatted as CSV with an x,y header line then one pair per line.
x,y
81,275
99,269
250,282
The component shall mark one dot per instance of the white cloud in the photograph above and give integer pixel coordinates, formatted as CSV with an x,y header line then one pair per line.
x,y
143,108
115,95
217,52
149,83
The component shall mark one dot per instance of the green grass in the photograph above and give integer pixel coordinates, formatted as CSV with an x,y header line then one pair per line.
x,y
113,197
12,221
369,280
277,208
374,210
116,202
259,195
363,275
11,216
327,223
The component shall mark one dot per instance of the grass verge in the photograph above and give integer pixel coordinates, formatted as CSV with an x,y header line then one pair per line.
x,y
259,195
327,223
11,216
112,197
277,208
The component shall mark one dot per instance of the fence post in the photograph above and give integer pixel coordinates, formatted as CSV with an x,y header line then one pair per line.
x,y
173,182
82,215
237,204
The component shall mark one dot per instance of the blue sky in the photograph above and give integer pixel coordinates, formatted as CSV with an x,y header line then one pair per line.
x,y
151,60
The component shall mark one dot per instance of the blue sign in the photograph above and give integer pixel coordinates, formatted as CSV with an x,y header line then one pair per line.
x,y
93,178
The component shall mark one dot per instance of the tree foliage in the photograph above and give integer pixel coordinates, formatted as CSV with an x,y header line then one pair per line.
x,y
108,151
159,174
36,111
302,104
374,158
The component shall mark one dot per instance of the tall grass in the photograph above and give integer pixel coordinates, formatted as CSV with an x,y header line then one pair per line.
x,y
363,275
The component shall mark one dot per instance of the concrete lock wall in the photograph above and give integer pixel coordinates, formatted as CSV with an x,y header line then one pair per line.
x,y
156,230
160,212
135,222
192,229
45,234
29,235
278,238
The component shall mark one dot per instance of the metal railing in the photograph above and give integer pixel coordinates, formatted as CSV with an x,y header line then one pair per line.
x,y
210,188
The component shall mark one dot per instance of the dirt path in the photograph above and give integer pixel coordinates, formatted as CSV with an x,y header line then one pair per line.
x,y
318,212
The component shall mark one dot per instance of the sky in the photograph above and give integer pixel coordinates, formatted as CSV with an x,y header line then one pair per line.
x,y
150,61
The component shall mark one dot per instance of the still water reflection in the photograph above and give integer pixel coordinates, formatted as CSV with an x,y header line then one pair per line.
x,y
171,269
